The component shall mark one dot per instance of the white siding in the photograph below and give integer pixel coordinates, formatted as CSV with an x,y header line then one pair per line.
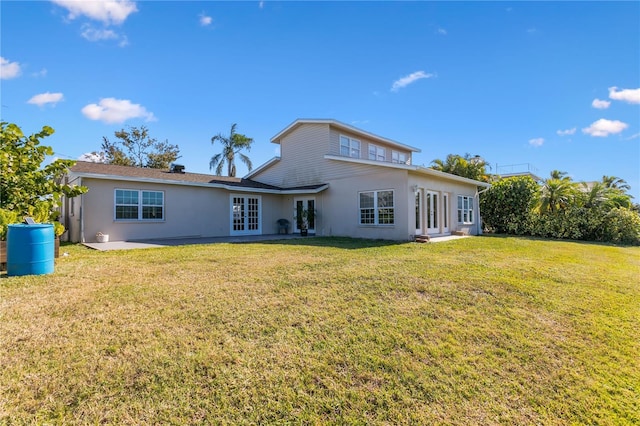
x,y
432,183
301,158
189,212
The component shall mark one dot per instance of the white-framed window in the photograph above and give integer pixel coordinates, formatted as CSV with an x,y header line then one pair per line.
x,y
134,204
376,207
399,157
376,153
349,147
465,209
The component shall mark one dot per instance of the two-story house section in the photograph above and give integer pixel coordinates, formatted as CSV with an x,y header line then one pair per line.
x,y
373,189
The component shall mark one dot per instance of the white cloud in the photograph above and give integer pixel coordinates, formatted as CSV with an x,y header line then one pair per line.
x,y
41,73
111,110
93,34
261,4
107,11
8,69
604,127
631,96
407,80
637,135
536,142
441,31
566,132
205,20
92,157
600,104
97,34
46,98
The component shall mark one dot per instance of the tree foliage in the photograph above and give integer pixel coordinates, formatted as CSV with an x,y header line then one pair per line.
x,y
508,205
26,185
135,147
231,146
466,166
560,208
557,192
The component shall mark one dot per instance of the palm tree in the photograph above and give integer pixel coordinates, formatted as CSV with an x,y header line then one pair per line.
x,y
231,146
557,174
595,194
556,193
615,182
470,167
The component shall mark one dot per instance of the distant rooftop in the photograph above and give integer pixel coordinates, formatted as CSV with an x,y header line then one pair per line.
x,y
523,169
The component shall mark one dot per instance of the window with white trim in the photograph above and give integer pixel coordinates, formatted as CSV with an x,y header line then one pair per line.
x,y
465,209
376,207
132,204
349,147
399,157
376,153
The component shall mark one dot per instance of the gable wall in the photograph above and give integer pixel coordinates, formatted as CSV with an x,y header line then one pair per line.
x,y
302,159
301,153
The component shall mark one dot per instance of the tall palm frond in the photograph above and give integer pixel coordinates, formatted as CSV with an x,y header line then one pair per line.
x,y
615,183
231,146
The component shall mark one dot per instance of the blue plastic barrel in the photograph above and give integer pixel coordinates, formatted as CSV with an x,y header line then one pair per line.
x,y
30,249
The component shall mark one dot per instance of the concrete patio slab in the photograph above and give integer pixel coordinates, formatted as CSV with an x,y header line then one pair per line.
x,y
156,243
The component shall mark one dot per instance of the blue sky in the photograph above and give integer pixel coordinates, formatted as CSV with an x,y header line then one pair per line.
x,y
553,84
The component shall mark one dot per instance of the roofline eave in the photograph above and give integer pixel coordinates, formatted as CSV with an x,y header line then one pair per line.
x,y
235,188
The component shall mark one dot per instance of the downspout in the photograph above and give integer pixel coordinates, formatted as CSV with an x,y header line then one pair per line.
x,y
70,213
477,197
81,215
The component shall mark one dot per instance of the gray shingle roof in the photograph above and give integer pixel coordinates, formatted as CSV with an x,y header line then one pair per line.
x,y
84,167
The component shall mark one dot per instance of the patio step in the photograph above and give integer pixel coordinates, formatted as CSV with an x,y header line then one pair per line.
x,y
422,239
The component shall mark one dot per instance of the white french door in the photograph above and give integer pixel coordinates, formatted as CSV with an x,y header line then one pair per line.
x,y
419,213
431,212
245,215
300,204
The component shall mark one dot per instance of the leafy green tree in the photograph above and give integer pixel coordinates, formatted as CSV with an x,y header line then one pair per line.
x,y
466,166
26,185
231,146
557,192
134,147
507,207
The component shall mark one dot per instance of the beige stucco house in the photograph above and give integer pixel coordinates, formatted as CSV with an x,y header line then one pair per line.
x,y
359,184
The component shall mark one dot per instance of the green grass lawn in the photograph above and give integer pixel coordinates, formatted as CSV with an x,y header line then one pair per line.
x,y
486,330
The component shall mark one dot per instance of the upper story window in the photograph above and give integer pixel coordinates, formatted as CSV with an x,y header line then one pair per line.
x,y
349,147
376,153
132,204
399,157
